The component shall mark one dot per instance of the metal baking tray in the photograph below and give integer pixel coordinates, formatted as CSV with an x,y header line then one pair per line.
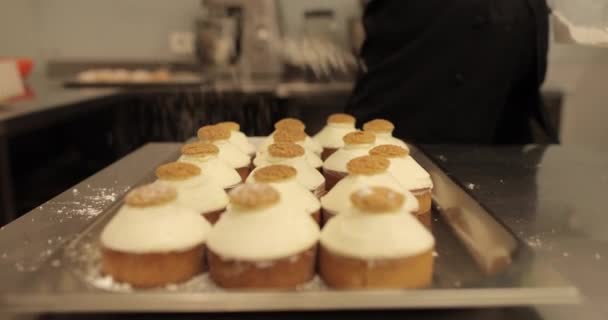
x,y
479,263
177,79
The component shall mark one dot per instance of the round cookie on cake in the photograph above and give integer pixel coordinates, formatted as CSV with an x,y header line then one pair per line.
x,y
152,241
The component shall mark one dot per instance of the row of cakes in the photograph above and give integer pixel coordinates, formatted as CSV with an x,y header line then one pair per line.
x,y
265,237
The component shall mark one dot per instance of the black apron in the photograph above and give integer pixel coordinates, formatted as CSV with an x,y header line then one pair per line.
x,y
454,71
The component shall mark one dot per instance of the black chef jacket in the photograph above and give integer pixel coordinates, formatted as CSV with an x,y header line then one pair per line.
x,y
453,71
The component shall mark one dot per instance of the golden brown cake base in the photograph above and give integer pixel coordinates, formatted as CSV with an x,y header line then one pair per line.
x,y
326,215
213,216
351,273
319,191
149,270
332,178
316,216
284,273
327,152
424,203
244,172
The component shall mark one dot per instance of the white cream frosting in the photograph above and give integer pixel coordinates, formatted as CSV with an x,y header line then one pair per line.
x,y
409,173
308,144
308,176
386,235
232,155
199,194
214,169
313,159
294,193
313,145
241,141
266,234
331,135
387,138
161,229
338,160
337,200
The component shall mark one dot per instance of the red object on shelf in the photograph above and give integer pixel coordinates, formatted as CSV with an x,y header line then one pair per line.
x,y
25,65
27,95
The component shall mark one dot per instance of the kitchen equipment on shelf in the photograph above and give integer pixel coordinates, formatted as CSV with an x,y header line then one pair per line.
x,y
236,38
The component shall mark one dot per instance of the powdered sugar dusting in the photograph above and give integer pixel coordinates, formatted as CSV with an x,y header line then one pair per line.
x,y
108,283
85,259
534,242
88,202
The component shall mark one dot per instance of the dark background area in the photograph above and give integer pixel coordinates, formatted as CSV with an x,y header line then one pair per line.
x,y
48,161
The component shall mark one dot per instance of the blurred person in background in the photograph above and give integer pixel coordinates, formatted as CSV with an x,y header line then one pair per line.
x,y
454,71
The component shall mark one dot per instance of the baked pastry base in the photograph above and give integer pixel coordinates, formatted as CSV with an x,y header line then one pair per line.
x,y
147,270
319,191
343,272
316,216
213,216
332,178
327,152
285,273
244,172
424,203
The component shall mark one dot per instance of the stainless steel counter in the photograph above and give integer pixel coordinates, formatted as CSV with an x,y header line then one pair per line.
x,y
551,197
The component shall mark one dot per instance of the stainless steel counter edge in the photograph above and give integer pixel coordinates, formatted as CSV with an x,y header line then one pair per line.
x,y
341,300
29,242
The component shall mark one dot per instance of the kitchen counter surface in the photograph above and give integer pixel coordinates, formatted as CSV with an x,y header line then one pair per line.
x,y
49,102
551,197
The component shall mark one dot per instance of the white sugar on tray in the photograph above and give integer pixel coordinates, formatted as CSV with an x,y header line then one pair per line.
x,y
534,242
108,283
89,203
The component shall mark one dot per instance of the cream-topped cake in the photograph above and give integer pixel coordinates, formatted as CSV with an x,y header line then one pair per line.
x,y
356,144
193,191
383,129
205,156
364,171
292,125
262,241
152,240
231,154
410,175
330,137
284,179
289,136
376,243
237,137
294,155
